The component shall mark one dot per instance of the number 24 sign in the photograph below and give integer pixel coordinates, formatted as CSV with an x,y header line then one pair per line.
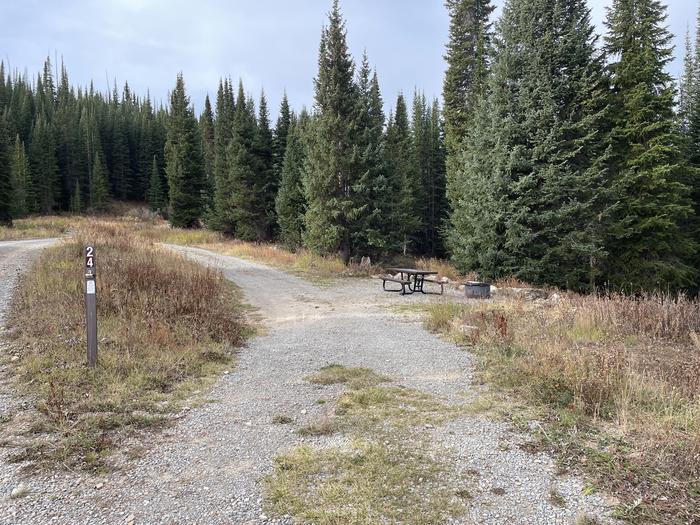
x,y
90,257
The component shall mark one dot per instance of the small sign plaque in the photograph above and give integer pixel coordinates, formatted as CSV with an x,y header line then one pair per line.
x,y
90,287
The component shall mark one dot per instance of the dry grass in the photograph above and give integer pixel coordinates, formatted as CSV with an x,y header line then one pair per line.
x,y
166,325
40,227
620,377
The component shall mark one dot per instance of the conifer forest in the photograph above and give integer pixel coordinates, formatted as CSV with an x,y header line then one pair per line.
x,y
557,155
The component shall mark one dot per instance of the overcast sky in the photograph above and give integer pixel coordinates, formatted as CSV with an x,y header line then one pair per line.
x,y
270,44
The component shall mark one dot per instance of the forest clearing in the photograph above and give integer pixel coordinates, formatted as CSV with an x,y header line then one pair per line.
x,y
195,318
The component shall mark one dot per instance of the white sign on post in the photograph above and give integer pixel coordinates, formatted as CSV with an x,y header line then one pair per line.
x,y
90,287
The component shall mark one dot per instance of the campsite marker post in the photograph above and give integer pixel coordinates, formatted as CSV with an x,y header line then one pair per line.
x,y
91,305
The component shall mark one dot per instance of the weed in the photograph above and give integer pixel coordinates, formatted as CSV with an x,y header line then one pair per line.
x,y
282,420
556,499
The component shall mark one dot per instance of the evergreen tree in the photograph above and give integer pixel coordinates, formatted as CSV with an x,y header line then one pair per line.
x,y
265,183
331,168
648,247
206,125
280,136
290,204
403,184
99,185
76,202
5,176
223,219
528,186
467,65
156,195
44,168
371,189
184,163
21,181
242,204
689,116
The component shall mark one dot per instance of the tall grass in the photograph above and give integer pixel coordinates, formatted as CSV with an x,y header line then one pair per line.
x,y
166,325
39,227
626,365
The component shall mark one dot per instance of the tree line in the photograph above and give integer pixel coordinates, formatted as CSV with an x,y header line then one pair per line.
x,y
559,157
567,162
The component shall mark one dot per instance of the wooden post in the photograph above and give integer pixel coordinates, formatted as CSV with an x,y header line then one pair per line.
x,y
91,305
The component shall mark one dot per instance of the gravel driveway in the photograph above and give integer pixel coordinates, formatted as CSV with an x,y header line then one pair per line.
x,y
206,469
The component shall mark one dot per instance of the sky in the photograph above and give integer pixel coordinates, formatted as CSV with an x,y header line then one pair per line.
x,y
270,44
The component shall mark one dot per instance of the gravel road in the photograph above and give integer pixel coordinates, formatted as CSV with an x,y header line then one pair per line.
x,y
206,469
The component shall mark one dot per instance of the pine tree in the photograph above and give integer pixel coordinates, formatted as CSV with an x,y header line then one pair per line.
x,y
689,116
265,182
403,184
184,163
241,205
223,219
372,188
99,185
44,169
206,125
280,136
156,195
21,180
528,187
290,204
648,247
76,202
5,176
331,168
467,65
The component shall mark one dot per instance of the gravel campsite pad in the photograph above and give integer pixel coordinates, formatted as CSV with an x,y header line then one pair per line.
x,y
209,467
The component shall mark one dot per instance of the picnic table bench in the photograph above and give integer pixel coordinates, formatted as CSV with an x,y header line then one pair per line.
x,y
410,279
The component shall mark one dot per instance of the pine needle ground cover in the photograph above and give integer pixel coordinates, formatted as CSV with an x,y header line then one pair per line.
x,y
614,382
167,327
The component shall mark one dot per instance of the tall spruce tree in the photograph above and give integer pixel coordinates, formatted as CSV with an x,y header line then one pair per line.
x,y
371,236
331,168
529,183
648,246
44,168
280,136
184,163
223,132
21,180
156,195
467,65
206,126
402,175
99,185
266,182
241,205
5,176
290,204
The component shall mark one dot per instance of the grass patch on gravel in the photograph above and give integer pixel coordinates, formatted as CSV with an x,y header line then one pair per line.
x,y
388,471
613,382
352,377
167,327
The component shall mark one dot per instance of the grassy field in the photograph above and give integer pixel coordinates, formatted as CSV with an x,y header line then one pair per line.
x,y
40,227
167,328
614,381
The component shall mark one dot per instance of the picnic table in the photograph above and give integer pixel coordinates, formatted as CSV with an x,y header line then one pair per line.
x,y
411,278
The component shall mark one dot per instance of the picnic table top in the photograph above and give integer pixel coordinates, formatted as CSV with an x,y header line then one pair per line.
x,y
412,271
